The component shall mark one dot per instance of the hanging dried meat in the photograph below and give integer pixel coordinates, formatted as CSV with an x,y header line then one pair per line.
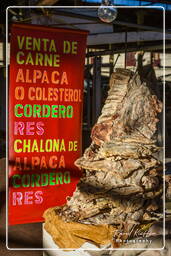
x,y
121,184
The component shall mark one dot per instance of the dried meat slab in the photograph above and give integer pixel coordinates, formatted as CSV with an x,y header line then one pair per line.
x,y
120,168
86,207
74,235
138,182
121,184
125,150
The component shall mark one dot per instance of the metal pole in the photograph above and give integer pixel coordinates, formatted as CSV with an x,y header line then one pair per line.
x,y
111,59
116,61
88,99
151,58
126,46
4,50
96,89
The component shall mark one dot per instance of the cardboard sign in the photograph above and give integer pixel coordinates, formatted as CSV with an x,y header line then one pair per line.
x,y
45,114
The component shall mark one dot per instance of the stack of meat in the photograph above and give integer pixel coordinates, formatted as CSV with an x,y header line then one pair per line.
x,y
121,186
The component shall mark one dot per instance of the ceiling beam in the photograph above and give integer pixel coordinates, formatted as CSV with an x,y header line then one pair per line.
x,y
152,48
119,38
71,13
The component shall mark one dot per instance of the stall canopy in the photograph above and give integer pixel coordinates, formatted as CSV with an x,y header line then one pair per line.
x,y
142,30
137,31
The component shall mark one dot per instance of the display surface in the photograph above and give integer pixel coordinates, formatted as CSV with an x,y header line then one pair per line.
x,y
121,189
45,115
